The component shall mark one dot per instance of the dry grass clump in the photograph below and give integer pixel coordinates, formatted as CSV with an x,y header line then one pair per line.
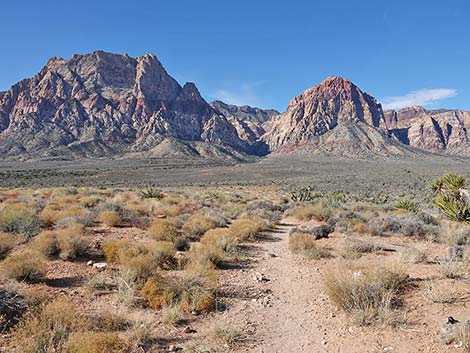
x,y
53,213
303,243
247,228
197,225
26,266
47,329
97,342
439,292
163,230
367,296
216,245
230,336
354,250
143,258
19,219
452,268
110,218
454,233
170,315
7,243
67,243
306,213
413,256
190,293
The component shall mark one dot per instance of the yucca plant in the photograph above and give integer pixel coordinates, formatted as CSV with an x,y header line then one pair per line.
x,y
303,194
407,205
151,193
451,197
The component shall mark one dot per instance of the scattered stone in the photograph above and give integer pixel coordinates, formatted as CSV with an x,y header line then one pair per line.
x,y
89,263
100,266
260,277
452,329
270,254
189,329
74,292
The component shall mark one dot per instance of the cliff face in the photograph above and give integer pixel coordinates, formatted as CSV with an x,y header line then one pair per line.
x,y
101,103
334,103
431,130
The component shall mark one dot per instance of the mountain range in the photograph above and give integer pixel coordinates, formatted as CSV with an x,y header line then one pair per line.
x,y
103,104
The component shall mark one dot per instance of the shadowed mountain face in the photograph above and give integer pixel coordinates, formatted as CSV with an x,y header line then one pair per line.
x,y
101,104
431,130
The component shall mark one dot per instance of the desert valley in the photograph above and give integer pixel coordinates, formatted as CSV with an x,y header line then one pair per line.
x,y
135,216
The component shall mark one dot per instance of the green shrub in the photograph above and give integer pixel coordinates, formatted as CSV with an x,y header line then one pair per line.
x,y
407,205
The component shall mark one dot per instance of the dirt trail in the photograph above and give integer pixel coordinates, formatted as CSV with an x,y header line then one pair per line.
x,y
284,304
281,300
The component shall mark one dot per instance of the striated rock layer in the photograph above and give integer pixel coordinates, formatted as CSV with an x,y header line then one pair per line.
x,y
100,104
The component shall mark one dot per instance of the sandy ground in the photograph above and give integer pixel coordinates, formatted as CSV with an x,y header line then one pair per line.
x,y
283,305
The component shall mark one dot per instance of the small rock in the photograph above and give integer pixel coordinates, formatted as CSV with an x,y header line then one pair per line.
x,y
388,349
456,252
260,277
188,329
100,266
317,232
74,292
270,254
451,329
89,263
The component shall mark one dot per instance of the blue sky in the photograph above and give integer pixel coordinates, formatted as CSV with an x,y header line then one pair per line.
x,y
259,52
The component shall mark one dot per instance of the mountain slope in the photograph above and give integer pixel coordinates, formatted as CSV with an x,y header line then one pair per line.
x,y
101,104
432,130
334,117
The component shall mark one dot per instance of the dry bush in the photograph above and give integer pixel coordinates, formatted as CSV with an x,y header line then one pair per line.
x,y
354,250
303,243
110,218
439,292
46,243
127,283
189,293
19,219
46,329
170,315
247,228
7,243
163,230
306,213
217,245
54,213
367,296
230,336
143,259
72,244
452,268
97,342
454,233
413,256
197,225
26,266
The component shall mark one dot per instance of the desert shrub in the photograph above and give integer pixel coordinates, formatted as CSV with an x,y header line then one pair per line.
x,y
7,243
143,259
25,266
46,243
367,296
454,233
97,342
170,315
247,228
163,230
47,328
384,226
19,220
217,217
305,193
303,243
72,243
127,284
197,225
110,218
316,211
230,336
189,293
54,213
216,245
439,292
406,205
354,250
413,256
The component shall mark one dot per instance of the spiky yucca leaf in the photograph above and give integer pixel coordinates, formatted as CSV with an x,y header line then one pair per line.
x,y
452,208
151,193
407,205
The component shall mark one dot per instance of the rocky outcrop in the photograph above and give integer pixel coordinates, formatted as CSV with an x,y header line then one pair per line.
x,y
245,112
431,130
334,117
101,104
